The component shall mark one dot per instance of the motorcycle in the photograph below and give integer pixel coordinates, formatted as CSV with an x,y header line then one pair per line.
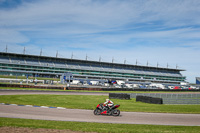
x,y
102,110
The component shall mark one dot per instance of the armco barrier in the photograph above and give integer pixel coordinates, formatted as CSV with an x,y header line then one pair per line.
x,y
147,99
119,96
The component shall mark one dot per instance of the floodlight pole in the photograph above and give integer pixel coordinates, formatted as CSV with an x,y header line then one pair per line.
x,y
57,54
72,56
100,59
176,66
41,52
24,50
6,49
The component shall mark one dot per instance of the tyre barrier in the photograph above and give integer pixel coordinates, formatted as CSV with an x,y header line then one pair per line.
x,y
119,96
147,99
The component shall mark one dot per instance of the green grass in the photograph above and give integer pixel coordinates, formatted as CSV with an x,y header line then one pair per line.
x,y
93,91
14,88
84,102
97,127
39,89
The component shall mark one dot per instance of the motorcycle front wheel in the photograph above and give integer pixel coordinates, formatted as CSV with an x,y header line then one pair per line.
x,y
116,112
97,112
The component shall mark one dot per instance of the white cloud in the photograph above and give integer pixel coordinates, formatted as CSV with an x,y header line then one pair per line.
x,y
12,36
104,14
154,31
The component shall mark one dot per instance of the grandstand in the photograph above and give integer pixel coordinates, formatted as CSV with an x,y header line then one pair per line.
x,y
45,66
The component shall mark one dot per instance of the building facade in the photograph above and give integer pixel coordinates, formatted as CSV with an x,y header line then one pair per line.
x,y
45,66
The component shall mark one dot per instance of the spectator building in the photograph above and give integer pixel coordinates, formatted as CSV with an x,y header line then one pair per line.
x,y
54,67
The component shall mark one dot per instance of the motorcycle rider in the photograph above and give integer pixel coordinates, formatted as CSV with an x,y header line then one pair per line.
x,y
108,104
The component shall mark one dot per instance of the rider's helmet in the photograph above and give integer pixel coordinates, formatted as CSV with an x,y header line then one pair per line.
x,y
107,100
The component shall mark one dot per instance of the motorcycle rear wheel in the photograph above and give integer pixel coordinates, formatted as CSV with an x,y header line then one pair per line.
x,y
116,112
97,112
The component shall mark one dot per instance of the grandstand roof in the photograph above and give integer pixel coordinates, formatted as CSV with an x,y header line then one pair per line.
x,y
87,61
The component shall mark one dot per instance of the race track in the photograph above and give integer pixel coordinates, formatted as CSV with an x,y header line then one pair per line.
x,y
13,111
87,116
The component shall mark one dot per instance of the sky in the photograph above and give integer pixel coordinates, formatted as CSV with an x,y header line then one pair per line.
x,y
155,32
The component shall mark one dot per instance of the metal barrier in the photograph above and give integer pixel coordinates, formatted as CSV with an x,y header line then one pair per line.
x,y
172,98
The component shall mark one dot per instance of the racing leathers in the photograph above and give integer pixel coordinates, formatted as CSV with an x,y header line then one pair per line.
x,y
108,104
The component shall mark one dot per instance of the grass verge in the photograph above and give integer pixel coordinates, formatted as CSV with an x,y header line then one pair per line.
x,y
84,102
97,127
39,89
14,88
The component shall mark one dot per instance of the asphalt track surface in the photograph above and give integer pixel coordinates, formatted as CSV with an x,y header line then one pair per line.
x,y
12,111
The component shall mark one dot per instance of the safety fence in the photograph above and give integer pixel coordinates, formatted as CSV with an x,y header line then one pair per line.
x,y
172,98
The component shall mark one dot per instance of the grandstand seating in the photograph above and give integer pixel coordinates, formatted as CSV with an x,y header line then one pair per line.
x,y
32,62
94,68
84,67
60,65
4,60
46,63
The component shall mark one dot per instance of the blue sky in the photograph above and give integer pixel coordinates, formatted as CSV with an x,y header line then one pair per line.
x,y
153,31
